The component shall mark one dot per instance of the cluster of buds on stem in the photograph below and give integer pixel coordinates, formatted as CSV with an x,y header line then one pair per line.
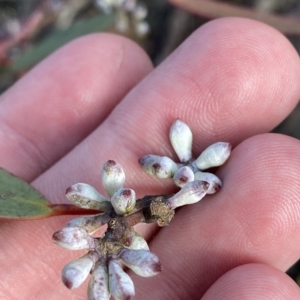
x,y
190,170
121,245
130,14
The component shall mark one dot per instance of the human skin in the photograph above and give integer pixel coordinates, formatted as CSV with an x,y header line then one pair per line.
x,y
99,98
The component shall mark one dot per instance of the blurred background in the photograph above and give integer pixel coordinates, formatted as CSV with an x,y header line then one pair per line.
x,y
30,30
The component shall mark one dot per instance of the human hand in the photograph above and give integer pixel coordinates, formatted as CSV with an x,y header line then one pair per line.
x,y
232,80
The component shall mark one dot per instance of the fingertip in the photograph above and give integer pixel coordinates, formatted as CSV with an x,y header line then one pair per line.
x,y
253,281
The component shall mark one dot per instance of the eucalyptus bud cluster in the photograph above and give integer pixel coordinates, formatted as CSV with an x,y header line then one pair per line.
x,y
129,13
104,259
121,245
189,169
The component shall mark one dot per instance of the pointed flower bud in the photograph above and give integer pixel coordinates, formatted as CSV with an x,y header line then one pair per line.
x,y
181,139
191,193
159,166
90,223
85,196
213,156
123,201
112,176
76,272
183,176
120,284
215,183
73,238
135,241
98,284
142,262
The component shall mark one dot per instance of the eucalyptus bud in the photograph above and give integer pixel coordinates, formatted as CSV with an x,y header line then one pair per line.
x,y
135,241
191,193
215,183
142,262
213,156
183,176
112,176
123,201
90,223
85,196
160,166
181,139
73,238
120,284
76,272
98,285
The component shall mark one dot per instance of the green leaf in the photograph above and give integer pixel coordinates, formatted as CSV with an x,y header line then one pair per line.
x,y
20,200
60,37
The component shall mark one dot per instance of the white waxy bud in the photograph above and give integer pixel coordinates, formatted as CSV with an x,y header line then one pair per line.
x,y
183,176
159,166
89,223
213,156
112,176
135,241
98,285
120,284
142,262
76,272
123,201
215,183
73,238
181,138
191,193
85,196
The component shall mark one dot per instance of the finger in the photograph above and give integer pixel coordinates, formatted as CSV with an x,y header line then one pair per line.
x,y
253,219
64,98
231,79
253,281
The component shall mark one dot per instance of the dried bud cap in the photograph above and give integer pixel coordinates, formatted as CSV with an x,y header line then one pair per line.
x,y
181,139
112,176
142,262
159,166
213,156
98,284
123,201
191,193
73,238
89,223
76,272
85,196
135,241
183,176
120,284
215,183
